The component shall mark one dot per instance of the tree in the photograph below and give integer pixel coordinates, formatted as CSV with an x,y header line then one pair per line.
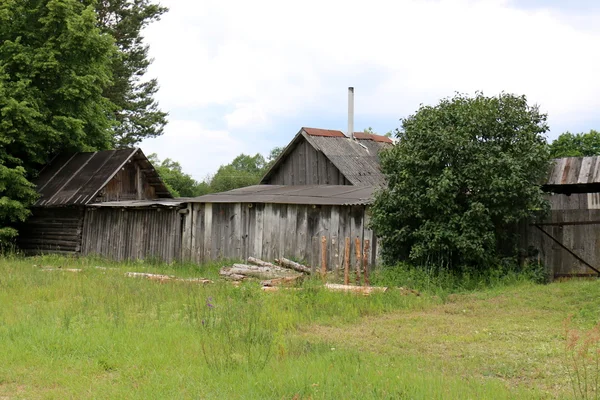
x,y
370,131
244,170
462,175
137,113
576,145
179,183
54,67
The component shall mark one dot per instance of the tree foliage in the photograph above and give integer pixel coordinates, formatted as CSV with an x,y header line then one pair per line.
x,y
136,111
54,67
179,183
462,175
244,170
576,145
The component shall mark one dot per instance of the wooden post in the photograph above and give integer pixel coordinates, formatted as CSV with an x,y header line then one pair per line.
x,y
323,256
314,258
347,262
358,259
366,263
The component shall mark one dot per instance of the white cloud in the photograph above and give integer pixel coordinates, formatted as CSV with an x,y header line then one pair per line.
x,y
197,149
271,59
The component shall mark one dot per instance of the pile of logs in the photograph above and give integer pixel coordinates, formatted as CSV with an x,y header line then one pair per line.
x,y
287,273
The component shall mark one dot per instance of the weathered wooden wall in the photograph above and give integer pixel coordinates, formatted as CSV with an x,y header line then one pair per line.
x,y
133,233
574,221
52,230
307,166
128,184
269,231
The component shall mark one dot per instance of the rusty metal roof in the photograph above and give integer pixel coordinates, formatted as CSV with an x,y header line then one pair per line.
x,y
76,179
357,160
574,175
282,194
372,137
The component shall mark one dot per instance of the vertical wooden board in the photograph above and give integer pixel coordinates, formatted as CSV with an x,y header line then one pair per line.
x,y
355,216
368,235
344,230
302,237
250,231
322,169
314,165
301,177
200,233
290,231
267,239
312,231
208,227
258,230
281,230
236,231
335,262
315,253
219,227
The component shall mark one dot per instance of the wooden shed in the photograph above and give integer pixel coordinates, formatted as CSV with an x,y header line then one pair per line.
x,y
567,242
328,157
70,182
273,221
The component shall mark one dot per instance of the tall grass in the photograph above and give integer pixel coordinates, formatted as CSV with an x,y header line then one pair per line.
x,y
98,334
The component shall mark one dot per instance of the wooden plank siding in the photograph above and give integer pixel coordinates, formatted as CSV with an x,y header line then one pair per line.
x,y
572,222
307,166
129,234
270,231
52,230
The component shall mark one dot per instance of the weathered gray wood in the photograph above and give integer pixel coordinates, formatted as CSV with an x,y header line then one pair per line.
x,y
294,265
255,271
260,263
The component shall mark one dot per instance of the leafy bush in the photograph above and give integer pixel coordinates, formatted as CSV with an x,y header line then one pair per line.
x,y
463,175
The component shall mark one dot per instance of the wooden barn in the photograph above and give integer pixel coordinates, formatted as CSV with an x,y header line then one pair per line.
x,y
319,187
70,182
567,242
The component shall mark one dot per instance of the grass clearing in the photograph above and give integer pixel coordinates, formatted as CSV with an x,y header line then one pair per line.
x,y
98,334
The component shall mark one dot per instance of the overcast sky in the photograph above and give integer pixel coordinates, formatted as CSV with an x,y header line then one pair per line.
x,y
245,76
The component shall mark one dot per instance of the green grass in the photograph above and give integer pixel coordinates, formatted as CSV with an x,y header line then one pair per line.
x,y
97,334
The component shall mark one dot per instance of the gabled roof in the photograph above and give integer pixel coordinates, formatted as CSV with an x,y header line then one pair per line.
x,y
574,175
77,179
283,194
357,160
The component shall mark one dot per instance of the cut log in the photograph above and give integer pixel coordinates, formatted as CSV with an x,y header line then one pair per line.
x,y
256,271
288,281
164,278
61,269
366,290
293,265
259,262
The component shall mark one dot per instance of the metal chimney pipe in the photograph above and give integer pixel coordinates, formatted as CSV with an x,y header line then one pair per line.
x,y
351,112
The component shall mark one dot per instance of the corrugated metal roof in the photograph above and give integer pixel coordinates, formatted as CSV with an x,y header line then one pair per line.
x,y
281,194
574,175
357,160
77,179
143,203
323,132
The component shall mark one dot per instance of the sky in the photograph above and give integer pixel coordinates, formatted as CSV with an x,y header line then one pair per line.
x,y
240,76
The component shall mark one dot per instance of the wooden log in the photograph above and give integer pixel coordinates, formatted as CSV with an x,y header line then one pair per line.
x,y
258,261
256,271
153,277
358,259
284,262
366,290
62,269
366,263
323,256
347,262
287,281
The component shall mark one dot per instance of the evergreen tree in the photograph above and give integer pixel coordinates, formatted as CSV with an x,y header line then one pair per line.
x,y
54,66
137,113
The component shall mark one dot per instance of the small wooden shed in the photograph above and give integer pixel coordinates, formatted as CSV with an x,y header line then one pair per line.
x,y
70,182
567,242
273,221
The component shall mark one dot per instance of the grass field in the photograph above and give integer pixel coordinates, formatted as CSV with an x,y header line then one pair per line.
x,y
98,334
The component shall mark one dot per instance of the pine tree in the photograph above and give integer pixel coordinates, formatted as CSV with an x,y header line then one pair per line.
x,y
137,113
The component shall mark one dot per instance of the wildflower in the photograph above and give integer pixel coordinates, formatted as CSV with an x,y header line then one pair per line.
x,y
209,303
